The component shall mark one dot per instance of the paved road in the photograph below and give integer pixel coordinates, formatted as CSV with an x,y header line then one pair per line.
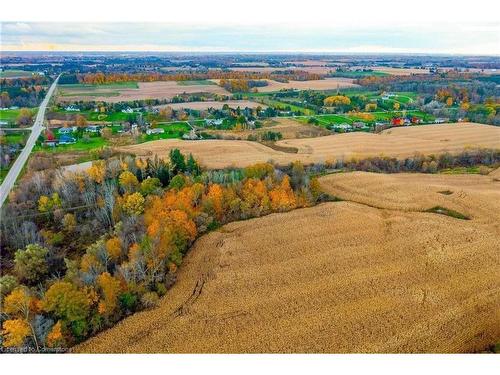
x,y
36,129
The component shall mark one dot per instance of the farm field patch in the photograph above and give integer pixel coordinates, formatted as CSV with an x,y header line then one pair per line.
x,y
352,279
144,90
287,127
15,73
395,142
322,84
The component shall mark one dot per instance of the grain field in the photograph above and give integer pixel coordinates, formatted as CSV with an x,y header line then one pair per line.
x,y
340,277
400,142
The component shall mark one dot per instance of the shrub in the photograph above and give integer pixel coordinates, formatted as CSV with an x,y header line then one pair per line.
x,y
128,301
150,300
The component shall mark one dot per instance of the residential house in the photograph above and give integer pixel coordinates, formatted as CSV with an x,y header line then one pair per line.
x,y
441,120
191,135
67,130
358,125
397,121
155,131
93,129
72,108
66,139
214,122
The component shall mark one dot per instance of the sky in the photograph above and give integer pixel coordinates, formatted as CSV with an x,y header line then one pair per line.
x,y
265,26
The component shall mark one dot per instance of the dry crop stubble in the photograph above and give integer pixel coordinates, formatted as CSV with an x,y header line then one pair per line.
x,y
337,277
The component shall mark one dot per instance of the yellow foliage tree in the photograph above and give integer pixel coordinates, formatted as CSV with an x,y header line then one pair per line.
x,y
282,197
17,303
110,289
336,100
46,204
133,204
97,171
15,332
370,107
114,248
128,181
55,336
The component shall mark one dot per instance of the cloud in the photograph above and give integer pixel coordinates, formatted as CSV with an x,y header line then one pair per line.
x,y
441,38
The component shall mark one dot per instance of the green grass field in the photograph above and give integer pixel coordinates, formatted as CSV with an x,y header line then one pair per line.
x,y
197,82
108,117
80,145
15,73
10,115
172,130
83,89
325,120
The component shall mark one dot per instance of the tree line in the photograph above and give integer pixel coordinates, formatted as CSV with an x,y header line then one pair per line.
x,y
80,251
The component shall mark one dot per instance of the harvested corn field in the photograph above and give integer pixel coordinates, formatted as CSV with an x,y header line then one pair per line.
x,y
353,278
145,90
400,142
322,84
476,197
287,127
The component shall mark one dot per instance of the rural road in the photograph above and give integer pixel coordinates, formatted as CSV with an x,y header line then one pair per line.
x,y
36,129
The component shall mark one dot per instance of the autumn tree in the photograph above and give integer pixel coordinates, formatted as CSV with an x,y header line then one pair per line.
x,y
80,121
97,171
166,113
128,181
5,99
48,204
14,332
150,185
133,204
337,100
113,247
282,197
66,302
25,117
69,222
110,289
31,264
106,133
